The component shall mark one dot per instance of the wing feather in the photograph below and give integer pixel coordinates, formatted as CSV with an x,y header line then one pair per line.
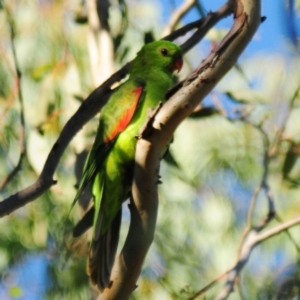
x,y
114,118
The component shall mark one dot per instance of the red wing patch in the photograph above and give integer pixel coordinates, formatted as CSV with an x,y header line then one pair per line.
x,y
127,116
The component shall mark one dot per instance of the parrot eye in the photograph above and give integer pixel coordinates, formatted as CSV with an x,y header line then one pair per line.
x,y
164,51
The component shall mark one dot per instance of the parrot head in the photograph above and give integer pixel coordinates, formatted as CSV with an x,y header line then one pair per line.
x,y
162,55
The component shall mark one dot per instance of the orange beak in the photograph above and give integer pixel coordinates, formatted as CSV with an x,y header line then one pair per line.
x,y
177,65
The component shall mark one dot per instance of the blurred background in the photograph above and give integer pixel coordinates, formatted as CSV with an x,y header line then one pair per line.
x,y
245,135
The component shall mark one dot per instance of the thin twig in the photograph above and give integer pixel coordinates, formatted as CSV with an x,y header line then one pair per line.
x,y
254,239
22,140
278,219
279,134
249,218
208,286
211,19
263,186
178,14
251,237
184,29
202,25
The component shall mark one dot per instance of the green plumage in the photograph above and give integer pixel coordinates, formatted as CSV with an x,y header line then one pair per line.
x,y
109,166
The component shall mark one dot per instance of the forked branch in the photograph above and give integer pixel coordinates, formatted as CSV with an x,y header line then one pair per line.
x,y
184,98
90,107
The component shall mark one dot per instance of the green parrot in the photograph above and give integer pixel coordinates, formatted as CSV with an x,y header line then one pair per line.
x,y
110,163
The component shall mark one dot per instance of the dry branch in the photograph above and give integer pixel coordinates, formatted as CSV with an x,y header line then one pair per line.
x,y
251,236
254,238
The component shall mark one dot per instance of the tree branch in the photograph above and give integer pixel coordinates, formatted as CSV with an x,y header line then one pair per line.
x,y
143,209
89,108
178,14
254,238
100,43
208,286
86,111
251,237
182,103
263,186
188,93
203,26
183,100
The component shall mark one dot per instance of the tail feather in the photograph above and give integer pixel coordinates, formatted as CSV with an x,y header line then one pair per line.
x,y
102,254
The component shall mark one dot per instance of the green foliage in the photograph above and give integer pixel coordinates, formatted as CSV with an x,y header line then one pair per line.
x,y
215,164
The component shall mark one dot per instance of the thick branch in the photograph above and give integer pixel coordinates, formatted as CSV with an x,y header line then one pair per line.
x,y
210,71
128,264
185,97
100,43
86,111
179,106
143,208
89,108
